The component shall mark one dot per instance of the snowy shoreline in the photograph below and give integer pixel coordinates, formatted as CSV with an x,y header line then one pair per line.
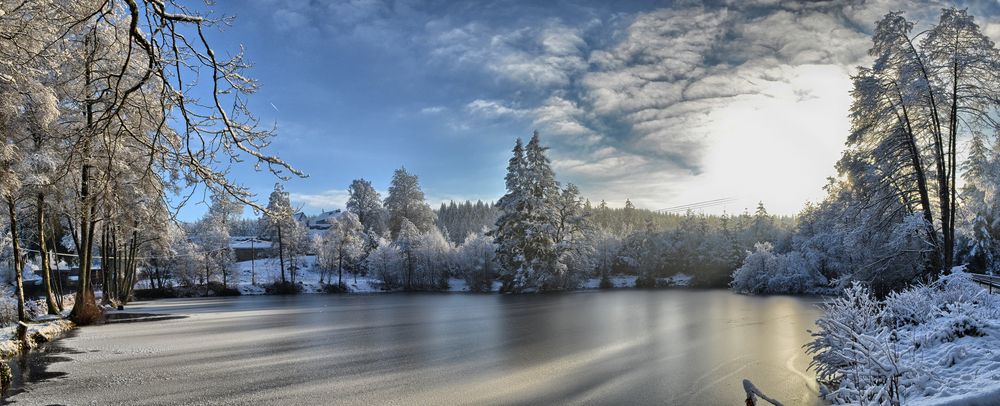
x,y
267,271
39,332
934,344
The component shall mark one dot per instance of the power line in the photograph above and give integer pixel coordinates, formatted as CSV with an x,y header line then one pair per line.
x,y
698,205
100,257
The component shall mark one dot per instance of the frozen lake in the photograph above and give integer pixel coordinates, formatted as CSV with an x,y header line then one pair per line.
x,y
674,347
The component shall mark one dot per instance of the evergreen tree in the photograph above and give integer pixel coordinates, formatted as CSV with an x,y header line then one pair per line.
x,y
763,224
527,234
982,206
459,221
511,231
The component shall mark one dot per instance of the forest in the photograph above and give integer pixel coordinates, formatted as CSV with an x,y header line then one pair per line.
x,y
400,243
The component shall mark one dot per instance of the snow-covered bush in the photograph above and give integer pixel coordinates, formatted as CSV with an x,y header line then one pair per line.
x,y
432,261
855,357
475,262
384,264
927,341
33,308
765,272
909,307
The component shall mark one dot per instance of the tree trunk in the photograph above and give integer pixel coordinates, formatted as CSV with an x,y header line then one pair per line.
x,y
939,161
253,258
85,310
43,254
925,201
59,277
281,255
949,256
18,269
206,276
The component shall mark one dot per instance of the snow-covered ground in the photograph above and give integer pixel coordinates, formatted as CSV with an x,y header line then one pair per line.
x,y
940,344
268,271
42,328
38,333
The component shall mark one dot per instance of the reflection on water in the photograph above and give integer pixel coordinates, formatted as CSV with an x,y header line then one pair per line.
x,y
33,366
619,347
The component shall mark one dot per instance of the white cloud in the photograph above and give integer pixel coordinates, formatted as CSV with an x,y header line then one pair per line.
x,y
535,56
493,109
433,110
325,200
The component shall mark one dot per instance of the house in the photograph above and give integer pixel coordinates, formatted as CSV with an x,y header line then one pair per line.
x,y
247,248
320,222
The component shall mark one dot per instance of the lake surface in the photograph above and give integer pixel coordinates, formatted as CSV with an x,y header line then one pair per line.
x,y
674,347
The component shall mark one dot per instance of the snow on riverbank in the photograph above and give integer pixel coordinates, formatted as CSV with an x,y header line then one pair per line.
x,y
266,271
43,327
38,334
929,345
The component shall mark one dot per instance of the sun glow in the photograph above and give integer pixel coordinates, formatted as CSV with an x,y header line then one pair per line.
x,y
782,142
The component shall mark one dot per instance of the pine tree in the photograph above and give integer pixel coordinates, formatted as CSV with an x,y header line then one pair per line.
x,y
510,233
982,209
527,234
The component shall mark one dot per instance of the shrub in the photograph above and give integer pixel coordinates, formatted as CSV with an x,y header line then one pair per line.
x,y
149,294
217,289
283,288
858,350
336,288
764,272
645,282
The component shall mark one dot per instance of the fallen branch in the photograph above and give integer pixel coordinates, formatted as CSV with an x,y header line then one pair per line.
x,y
753,392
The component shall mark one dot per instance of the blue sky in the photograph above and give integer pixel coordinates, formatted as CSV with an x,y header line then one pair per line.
x,y
664,103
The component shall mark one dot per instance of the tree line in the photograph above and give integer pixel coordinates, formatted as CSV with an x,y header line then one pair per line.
x,y
540,236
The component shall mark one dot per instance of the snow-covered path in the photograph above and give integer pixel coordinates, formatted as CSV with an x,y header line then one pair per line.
x,y
614,347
